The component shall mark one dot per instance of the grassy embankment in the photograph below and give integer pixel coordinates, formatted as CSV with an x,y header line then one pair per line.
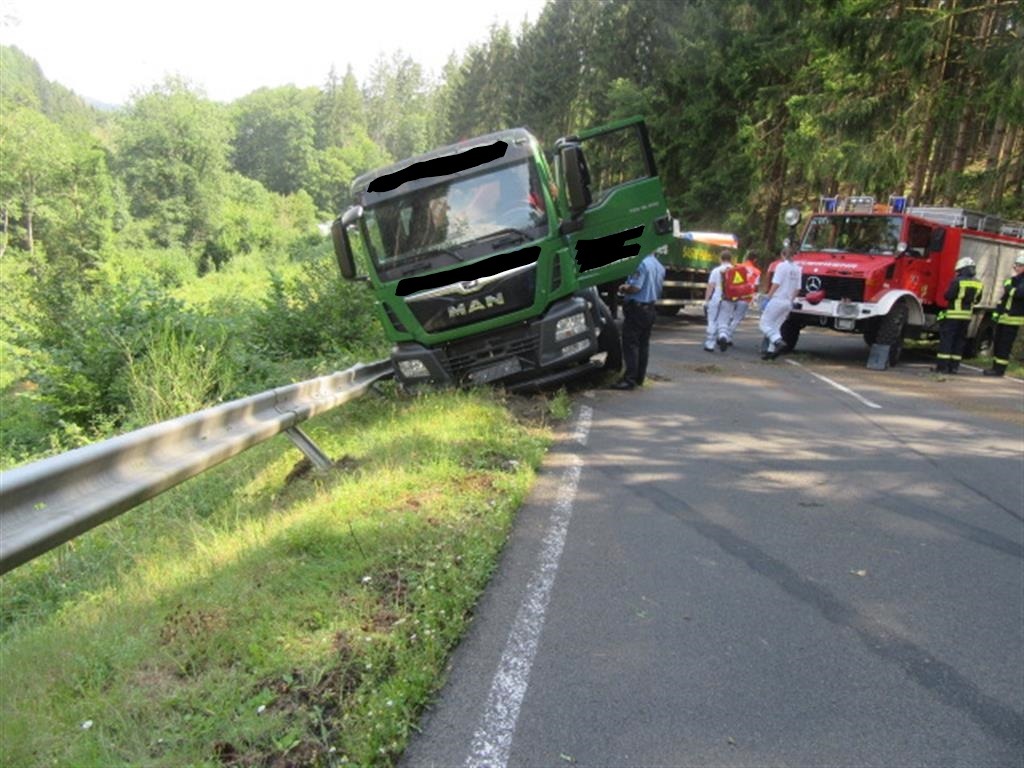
x,y
257,615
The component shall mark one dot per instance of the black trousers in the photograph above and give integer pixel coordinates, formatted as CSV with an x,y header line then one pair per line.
x,y
1002,345
638,320
952,337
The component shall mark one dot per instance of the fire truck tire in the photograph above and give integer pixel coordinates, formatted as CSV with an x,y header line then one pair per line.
x,y
667,310
790,331
890,331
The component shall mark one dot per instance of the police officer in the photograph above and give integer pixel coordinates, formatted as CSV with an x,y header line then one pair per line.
x,y
1009,317
963,293
639,293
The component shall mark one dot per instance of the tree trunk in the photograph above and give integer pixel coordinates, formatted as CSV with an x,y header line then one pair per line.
x,y
958,161
1000,144
776,181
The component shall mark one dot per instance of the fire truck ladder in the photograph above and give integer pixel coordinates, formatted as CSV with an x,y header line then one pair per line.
x,y
962,217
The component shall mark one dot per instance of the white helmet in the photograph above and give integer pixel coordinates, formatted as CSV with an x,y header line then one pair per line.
x,y
963,263
1019,261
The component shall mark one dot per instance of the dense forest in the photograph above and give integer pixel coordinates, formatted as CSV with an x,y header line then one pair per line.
x,y
164,255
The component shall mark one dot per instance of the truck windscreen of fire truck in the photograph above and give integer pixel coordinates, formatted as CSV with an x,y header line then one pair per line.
x,y
878,235
458,219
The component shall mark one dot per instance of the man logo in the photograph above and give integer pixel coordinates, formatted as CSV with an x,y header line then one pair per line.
x,y
476,305
813,283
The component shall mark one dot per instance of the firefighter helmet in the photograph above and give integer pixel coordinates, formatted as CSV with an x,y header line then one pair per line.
x,y
1019,261
964,263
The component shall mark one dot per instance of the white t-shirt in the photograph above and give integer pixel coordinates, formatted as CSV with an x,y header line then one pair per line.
x,y
715,280
787,276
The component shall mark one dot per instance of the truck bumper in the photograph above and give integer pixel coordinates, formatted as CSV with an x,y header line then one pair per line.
x,y
841,315
549,348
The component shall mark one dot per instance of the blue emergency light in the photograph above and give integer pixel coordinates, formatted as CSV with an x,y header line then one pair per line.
x,y
897,203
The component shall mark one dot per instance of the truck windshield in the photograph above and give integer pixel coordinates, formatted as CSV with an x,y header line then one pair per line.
x,y
853,234
439,224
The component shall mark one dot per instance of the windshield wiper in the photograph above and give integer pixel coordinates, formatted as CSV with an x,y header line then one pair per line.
x,y
501,235
425,260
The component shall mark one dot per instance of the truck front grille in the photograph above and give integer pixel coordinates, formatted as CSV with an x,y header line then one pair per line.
x,y
467,356
463,303
838,288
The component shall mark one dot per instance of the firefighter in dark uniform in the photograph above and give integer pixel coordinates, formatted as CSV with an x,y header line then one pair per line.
x,y
963,293
1009,317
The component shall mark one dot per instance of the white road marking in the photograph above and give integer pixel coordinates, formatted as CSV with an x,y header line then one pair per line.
x,y
837,385
492,740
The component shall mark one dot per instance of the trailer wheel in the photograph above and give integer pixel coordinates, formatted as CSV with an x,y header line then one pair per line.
x,y
890,330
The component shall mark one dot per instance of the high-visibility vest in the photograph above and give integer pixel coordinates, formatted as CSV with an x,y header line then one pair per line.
x,y
1011,307
968,293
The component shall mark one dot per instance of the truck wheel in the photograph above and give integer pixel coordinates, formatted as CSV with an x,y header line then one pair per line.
x,y
981,343
890,331
609,340
667,310
790,331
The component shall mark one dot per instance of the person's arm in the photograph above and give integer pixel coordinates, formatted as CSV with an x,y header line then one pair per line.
x,y
634,283
953,290
713,280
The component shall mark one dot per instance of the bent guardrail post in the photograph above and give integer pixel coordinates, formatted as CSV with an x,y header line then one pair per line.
x,y
49,502
308,446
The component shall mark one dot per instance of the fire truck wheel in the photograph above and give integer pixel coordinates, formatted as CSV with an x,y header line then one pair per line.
x,y
790,331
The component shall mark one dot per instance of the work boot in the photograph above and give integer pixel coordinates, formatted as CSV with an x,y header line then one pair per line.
x,y
723,343
993,372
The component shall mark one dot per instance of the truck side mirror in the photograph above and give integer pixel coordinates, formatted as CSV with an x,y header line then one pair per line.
x,y
339,234
577,178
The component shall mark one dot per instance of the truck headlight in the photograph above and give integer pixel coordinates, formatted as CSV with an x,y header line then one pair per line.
x,y
570,326
413,369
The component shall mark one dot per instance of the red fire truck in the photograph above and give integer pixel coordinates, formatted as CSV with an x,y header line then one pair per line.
x,y
882,270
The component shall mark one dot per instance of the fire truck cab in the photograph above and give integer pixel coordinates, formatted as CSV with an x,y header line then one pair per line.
x,y
883,269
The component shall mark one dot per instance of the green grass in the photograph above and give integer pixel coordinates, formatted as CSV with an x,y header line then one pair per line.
x,y
265,614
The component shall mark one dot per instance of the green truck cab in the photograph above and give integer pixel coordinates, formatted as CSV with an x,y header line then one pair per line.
x,y
485,260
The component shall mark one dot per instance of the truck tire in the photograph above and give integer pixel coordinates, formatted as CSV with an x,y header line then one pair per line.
x,y
667,310
609,339
790,331
981,343
890,331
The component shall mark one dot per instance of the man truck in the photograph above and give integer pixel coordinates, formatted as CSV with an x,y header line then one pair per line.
x,y
881,270
486,261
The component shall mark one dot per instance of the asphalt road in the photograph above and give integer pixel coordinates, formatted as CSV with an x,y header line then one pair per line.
x,y
792,563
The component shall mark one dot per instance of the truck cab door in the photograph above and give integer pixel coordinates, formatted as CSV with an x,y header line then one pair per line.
x,y
623,216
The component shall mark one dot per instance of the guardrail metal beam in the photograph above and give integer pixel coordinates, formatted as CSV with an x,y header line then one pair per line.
x,y
49,502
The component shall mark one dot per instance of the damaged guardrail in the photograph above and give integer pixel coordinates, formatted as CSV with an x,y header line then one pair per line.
x,y
49,502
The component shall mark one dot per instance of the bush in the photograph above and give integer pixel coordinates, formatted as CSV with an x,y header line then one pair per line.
x,y
317,314
183,370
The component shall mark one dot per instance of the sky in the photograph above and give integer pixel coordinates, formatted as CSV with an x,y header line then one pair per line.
x,y
106,50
